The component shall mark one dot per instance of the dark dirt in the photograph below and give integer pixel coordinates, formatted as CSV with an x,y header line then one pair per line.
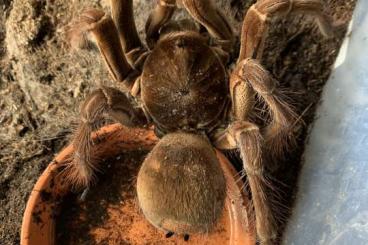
x,y
42,83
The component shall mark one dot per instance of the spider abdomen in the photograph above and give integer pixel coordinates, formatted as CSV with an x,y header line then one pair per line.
x,y
184,83
180,186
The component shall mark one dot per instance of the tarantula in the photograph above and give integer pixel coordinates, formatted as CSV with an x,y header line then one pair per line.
x,y
179,84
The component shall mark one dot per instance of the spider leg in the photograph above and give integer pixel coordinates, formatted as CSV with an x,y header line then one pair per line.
x,y
95,25
158,18
247,138
122,14
250,81
257,20
103,103
204,12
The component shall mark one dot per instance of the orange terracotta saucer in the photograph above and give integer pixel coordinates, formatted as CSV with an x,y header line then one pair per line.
x,y
43,207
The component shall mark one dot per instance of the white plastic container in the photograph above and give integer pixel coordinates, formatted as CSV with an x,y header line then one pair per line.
x,y
332,201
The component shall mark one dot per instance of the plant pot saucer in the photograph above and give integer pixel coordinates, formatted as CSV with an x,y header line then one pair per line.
x,y
44,204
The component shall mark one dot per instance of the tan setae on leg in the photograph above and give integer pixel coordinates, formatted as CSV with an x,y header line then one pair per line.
x,y
257,20
246,137
103,103
250,143
250,81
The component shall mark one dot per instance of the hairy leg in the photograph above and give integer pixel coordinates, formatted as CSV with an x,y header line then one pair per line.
x,y
213,20
122,14
257,20
103,103
94,25
246,137
157,19
250,81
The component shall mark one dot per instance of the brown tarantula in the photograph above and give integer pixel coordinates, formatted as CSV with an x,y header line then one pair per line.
x,y
179,84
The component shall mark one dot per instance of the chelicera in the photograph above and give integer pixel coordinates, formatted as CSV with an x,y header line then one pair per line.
x,y
180,83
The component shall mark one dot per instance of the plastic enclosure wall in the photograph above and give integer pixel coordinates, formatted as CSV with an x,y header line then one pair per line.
x,y
332,202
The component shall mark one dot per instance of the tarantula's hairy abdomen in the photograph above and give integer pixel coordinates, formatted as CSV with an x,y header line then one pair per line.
x,y
181,187
184,83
